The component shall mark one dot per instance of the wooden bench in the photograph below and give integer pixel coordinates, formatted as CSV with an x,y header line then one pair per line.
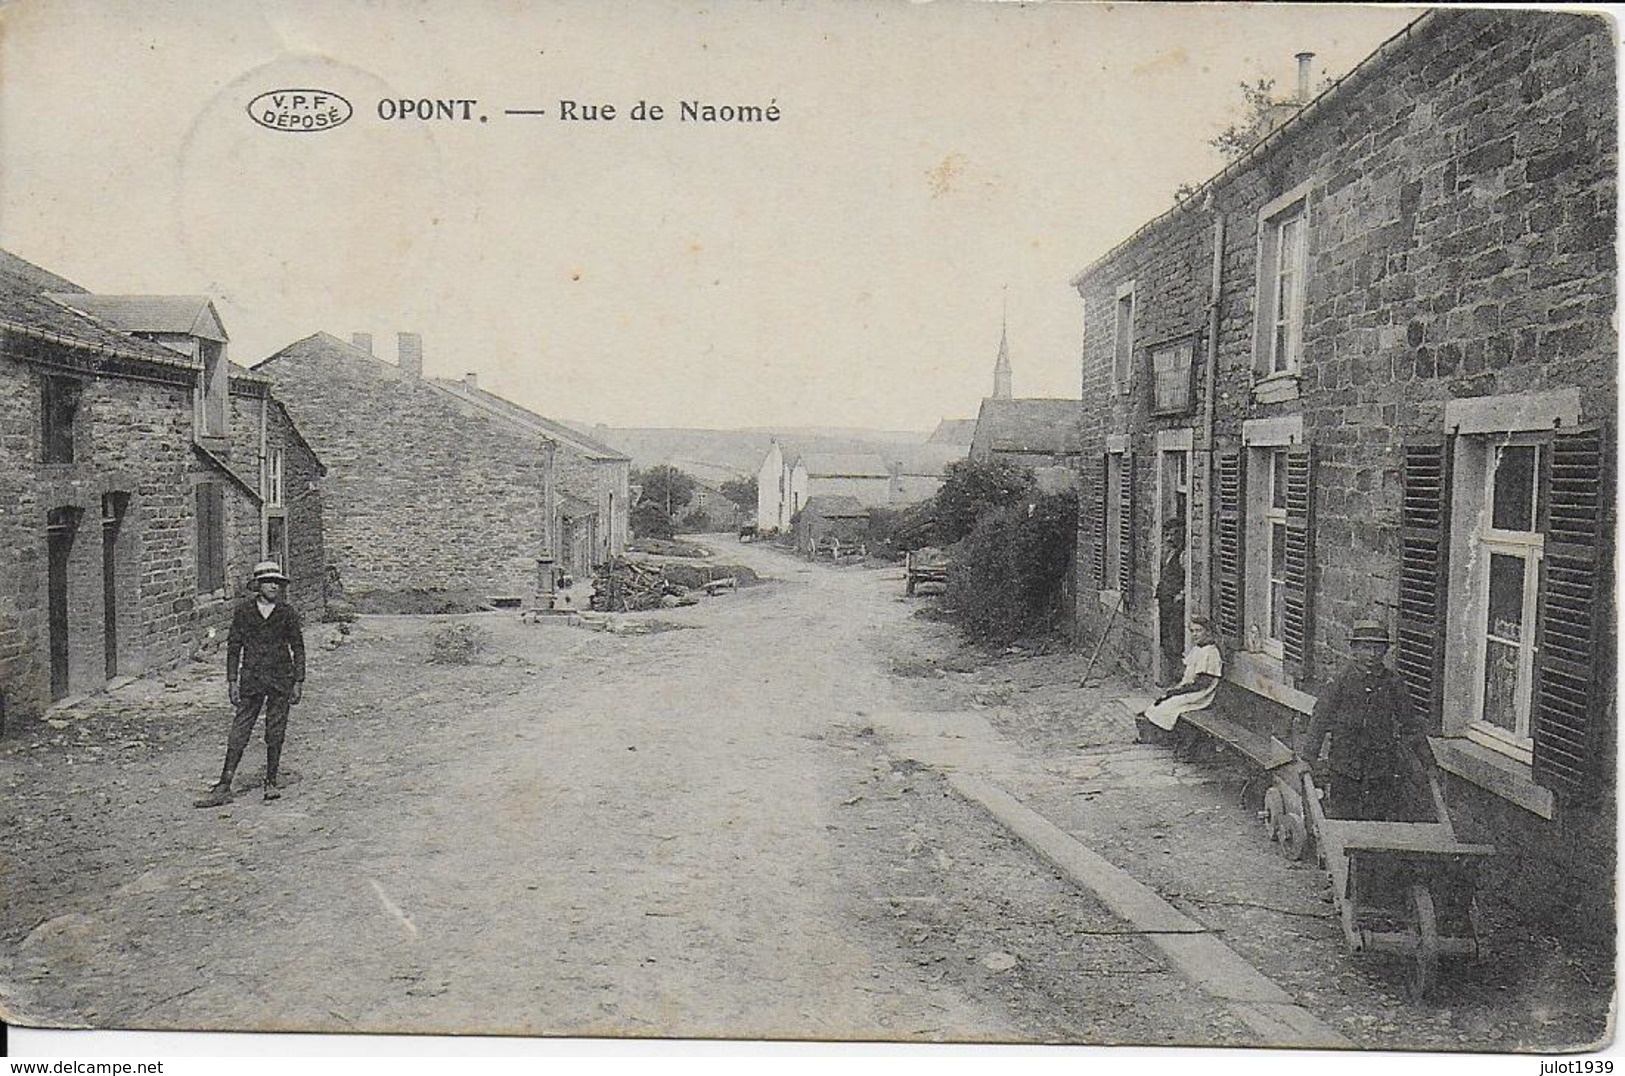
x,y
1266,752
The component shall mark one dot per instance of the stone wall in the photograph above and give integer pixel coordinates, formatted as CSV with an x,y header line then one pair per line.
x,y
133,438
421,493
1461,202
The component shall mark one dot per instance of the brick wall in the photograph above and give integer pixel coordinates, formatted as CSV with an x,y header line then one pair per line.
x,y
420,494
1461,244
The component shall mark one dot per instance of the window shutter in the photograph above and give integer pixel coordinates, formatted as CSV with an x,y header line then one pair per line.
x,y
1424,525
1125,527
1565,694
1232,483
1101,493
1297,644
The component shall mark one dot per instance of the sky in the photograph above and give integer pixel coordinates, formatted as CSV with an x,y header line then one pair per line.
x,y
938,169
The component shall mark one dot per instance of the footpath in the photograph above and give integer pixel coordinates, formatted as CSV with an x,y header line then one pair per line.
x,y
1169,847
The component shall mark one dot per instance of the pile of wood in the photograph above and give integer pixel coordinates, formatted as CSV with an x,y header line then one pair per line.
x,y
621,586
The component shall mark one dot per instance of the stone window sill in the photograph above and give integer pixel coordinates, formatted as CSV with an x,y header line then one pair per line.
x,y
1276,388
1263,675
1493,772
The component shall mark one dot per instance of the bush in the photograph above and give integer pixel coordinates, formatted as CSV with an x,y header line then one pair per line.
x,y
457,644
972,488
1007,578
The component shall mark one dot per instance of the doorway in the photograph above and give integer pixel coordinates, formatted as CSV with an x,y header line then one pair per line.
x,y
113,509
1173,560
60,527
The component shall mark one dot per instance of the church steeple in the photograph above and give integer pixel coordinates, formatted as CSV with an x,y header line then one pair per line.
x,y
1001,368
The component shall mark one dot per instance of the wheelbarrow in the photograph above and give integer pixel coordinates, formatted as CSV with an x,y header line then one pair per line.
x,y
1402,888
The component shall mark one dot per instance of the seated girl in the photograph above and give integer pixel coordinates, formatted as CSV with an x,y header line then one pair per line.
x,y
1195,690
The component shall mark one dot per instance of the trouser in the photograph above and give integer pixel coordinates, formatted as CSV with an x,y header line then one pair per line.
x,y
249,704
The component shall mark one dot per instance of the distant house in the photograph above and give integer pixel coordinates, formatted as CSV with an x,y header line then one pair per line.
x,y
773,509
436,488
1037,433
145,475
831,515
712,506
864,477
918,470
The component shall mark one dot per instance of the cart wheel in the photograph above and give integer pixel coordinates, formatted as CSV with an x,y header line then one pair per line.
x,y
1294,836
1272,813
1427,941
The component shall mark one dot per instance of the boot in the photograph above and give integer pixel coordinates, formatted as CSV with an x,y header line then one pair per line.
x,y
273,756
218,796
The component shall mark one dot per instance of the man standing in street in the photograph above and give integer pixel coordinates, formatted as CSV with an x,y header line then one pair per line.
x,y
1379,755
265,667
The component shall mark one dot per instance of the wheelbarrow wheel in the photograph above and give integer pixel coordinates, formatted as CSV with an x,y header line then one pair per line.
x,y
1426,925
1273,811
1294,836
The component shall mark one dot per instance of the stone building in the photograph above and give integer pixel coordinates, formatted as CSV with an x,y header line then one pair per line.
x,y
138,487
863,476
1369,369
838,517
439,494
1037,433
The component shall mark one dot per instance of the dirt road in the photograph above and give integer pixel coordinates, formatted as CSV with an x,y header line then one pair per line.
x,y
681,833
729,826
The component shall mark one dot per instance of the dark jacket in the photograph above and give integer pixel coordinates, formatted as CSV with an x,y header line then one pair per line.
x,y
1372,723
265,653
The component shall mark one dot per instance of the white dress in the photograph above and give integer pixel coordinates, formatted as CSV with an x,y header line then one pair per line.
x,y
1200,659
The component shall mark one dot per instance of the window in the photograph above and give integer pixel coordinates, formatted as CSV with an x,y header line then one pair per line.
x,y
1270,625
274,491
59,410
1171,368
276,540
211,537
1114,519
1123,339
209,398
1283,265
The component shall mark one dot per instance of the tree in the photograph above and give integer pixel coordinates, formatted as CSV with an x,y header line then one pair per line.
x,y
972,488
648,521
665,487
1008,576
741,491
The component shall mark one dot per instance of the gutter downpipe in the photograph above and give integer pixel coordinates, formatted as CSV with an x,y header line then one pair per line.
x,y
1209,389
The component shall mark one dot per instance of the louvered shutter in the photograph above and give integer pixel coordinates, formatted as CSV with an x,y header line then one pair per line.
x,y
1424,528
1296,642
1229,547
1565,693
1125,526
1102,492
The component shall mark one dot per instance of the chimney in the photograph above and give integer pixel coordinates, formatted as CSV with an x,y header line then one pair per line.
x,y
471,380
409,356
362,341
1304,59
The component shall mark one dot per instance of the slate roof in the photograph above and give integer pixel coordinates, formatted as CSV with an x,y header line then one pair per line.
x,y
1035,425
590,447
833,465
835,506
26,309
928,460
183,315
953,431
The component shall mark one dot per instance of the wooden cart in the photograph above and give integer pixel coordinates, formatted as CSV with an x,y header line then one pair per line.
x,y
1404,888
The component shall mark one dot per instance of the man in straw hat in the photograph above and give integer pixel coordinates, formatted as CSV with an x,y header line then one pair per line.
x,y
265,667
1379,754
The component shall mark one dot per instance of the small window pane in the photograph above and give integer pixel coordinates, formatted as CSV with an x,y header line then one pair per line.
x,y
1515,470
1501,685
1278,479
1506,597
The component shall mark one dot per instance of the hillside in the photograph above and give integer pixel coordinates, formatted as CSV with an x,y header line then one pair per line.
x,y
741,451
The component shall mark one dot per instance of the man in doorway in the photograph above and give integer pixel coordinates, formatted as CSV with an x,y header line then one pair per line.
x,y
1379,756
265,668
1171,601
